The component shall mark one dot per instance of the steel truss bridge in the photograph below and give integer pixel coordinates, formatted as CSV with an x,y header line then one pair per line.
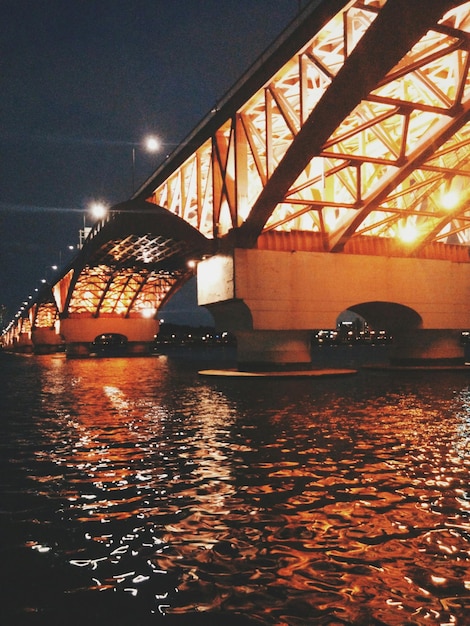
x,y
350,134
132,262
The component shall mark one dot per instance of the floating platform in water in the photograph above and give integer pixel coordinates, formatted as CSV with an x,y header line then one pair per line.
x,y
316,373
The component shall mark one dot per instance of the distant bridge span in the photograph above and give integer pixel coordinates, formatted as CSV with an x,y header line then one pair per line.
x,y
335,174
132,262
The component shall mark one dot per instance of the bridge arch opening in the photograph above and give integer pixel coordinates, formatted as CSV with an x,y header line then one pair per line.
x,y
110,343
389,316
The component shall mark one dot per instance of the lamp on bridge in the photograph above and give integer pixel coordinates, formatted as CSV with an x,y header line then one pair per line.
x,y
451,195
69,251
97,211
150,144
54,268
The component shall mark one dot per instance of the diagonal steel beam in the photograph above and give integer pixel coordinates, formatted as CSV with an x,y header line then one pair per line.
x,y
399,25
418,156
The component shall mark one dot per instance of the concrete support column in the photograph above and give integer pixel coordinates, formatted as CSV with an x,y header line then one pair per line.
x,y
47,341
77,349
271,300
79,333
427,347
140,348
23,344
265,349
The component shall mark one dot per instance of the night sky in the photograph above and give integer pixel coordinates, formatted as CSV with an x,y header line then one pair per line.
x,y
82,83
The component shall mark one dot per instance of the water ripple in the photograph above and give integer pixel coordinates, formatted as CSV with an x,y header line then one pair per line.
x,y
135,488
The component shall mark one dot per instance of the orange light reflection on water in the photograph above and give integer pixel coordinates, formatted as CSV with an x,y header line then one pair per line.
x,y
210,504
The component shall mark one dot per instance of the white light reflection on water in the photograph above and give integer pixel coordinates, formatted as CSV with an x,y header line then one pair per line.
x,y
108,450
141,489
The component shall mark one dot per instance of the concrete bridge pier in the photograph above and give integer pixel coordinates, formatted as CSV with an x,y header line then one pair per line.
x,y
427,347
47,341
79,333
257,350
18,338
22,344
260,349
80,349
273,300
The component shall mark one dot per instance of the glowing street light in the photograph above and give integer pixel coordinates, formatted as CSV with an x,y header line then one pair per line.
x,y
152,144
54,268
450,199
408,233
98,210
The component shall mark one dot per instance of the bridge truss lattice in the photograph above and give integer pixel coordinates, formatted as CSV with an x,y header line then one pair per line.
x,y
354,128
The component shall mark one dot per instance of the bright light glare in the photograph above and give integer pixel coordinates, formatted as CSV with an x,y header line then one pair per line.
x,y
148,313
152,144
450,200
408,233
98,210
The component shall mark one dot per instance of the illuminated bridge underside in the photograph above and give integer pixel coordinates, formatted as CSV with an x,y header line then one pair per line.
x,y
44,314
131,264
355,129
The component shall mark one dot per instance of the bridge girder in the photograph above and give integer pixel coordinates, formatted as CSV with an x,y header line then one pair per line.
x,y
131,263
355,125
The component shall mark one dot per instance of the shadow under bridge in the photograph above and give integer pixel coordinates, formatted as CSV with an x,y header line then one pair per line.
x,y
130,265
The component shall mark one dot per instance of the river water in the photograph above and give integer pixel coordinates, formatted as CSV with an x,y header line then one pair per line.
x,y
136,491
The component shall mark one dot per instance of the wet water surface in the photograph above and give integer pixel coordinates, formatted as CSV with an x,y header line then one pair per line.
x,y
134,491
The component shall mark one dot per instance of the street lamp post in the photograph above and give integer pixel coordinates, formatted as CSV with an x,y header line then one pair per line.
x,y
133,170
46,280
151,144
